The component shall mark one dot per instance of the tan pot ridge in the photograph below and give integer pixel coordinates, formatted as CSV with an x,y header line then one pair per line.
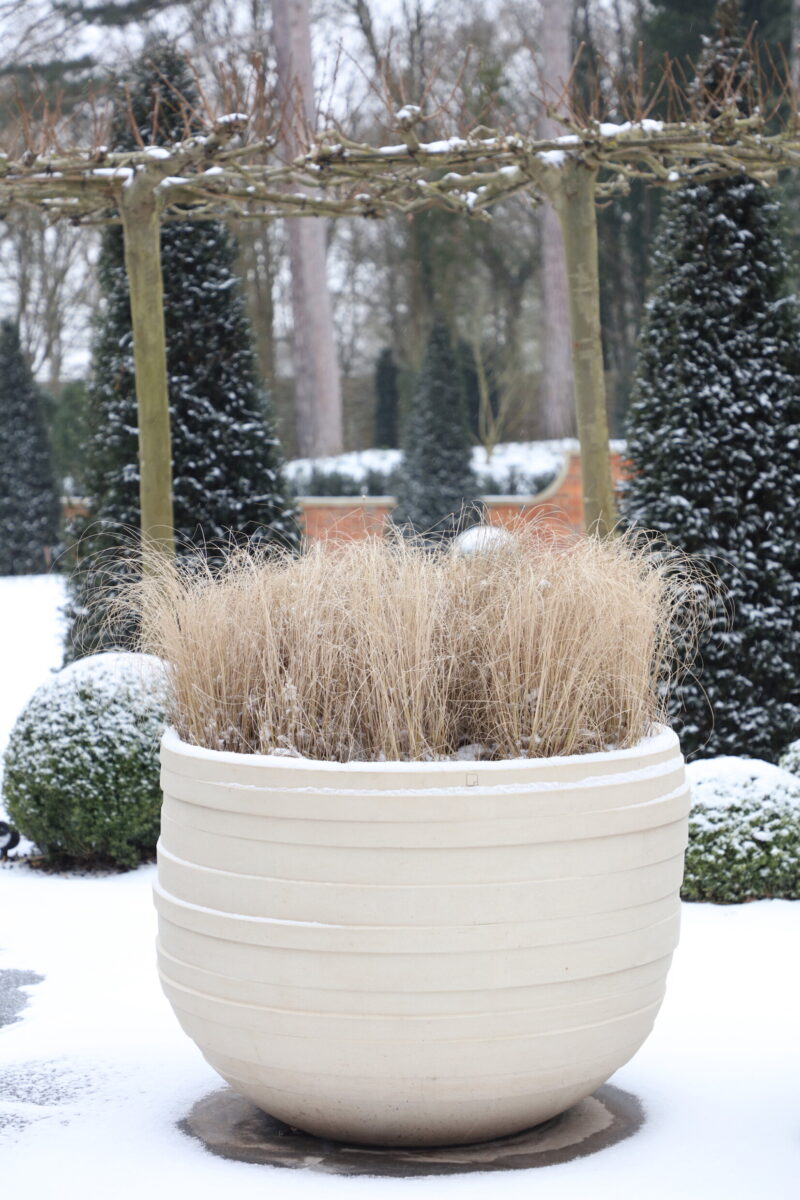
x,y
419,953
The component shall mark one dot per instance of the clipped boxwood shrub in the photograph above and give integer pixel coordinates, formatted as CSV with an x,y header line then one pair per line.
x,y
81,773
744,832
790,761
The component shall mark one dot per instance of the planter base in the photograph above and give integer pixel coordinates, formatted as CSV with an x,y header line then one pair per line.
x,y
232,1127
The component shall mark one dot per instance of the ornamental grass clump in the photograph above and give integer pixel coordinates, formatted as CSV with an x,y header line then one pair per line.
x,y
383,650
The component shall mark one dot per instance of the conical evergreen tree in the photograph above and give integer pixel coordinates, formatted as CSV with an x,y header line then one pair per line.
x,y
226,462
29,496
714,442
437,484
387,400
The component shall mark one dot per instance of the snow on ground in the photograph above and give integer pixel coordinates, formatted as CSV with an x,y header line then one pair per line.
x,y
96,1073
31,633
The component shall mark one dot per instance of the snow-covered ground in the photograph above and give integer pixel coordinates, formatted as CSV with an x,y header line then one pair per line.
x,y
31,635
96,1073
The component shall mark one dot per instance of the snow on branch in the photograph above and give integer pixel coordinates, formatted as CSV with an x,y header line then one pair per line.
x,y
235,166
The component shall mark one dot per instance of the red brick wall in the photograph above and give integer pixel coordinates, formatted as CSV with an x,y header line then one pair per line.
x,y
559,507
347,518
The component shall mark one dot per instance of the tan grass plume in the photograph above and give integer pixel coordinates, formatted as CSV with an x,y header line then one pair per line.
x,y
385,650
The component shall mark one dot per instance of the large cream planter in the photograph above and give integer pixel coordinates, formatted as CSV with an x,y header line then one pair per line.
x,y
419,953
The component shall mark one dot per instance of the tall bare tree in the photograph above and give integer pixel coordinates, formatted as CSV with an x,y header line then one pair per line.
x,y
317,385
556,394
47,285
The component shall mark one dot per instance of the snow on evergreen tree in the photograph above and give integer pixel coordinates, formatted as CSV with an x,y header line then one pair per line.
x,y
387,400
226,461
29,495
714,443
438,488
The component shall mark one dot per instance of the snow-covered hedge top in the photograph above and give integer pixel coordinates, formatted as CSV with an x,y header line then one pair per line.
x,y
109,670
127,688
529,460
729,782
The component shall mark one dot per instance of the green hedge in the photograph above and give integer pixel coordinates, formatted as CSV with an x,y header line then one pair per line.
x,y
791,759
744,832
81,775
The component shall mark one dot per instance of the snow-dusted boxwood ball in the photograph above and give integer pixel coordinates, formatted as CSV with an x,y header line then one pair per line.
x,y
744,832
790,761
81,768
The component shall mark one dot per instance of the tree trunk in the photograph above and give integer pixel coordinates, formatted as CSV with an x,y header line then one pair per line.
x,y
575,204
557,416
256,268
317,386
142,232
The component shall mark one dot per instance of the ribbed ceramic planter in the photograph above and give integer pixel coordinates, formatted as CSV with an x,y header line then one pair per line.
x,y
419,953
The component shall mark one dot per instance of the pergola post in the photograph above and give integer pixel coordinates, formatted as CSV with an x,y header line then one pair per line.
x,y
141,224
574,198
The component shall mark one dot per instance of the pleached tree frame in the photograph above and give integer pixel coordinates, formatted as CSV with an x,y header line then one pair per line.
x,y
233,170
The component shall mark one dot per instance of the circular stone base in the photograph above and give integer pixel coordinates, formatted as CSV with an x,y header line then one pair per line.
x,y
232,1127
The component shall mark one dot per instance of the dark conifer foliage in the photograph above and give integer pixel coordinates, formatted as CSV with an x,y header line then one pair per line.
x,y
227,480
29,495
387,401
438,488
714,441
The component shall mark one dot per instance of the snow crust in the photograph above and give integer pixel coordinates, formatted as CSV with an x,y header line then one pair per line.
x,y
553,158
111,667
408,112
660,740
608,129
729,782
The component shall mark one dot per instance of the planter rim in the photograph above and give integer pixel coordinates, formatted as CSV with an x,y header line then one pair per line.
x,y
662,739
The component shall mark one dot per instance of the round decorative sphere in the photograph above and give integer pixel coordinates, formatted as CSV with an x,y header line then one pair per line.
x,y
481,539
